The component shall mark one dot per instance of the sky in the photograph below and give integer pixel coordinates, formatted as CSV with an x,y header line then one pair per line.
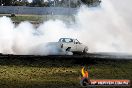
x,y
29,0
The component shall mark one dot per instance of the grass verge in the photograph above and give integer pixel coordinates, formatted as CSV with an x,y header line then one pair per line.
x,y
44,72
39,18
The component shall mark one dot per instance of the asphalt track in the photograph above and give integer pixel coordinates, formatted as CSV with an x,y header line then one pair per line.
x,y
107,56
65,60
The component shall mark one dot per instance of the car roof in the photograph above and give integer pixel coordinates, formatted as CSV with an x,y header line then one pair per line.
x,y
66,38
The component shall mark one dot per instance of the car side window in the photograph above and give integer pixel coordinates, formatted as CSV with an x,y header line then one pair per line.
x,y
71,40
62,40
68,40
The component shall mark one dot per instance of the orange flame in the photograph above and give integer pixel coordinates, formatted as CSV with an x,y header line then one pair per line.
x,y
84,73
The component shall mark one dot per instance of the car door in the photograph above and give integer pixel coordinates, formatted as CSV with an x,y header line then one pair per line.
x,y
69,43
79,46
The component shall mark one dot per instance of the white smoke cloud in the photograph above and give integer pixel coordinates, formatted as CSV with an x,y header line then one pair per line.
x,y
25,39
103,29
6,35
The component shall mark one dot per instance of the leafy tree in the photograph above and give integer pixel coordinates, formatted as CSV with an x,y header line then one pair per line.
x,y
90,2
20,3
7,2
0,2
38,3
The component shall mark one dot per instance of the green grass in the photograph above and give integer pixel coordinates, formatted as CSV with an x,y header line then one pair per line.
x,y
39,18
58,73
20,18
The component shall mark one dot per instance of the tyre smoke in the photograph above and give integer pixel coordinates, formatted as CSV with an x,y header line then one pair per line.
x,y
106,28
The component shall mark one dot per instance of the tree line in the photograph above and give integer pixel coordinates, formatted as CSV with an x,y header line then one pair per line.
x,y
14,2
49,3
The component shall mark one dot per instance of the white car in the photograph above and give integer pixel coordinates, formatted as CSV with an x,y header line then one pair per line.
x,y
73,45
69,45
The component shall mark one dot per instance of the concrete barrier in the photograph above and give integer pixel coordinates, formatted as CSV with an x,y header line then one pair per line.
x,y
37,10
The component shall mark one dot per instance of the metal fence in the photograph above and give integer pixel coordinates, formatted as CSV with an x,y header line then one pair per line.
x,y
37,10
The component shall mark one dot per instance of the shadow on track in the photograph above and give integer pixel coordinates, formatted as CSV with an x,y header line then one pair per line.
x,y
57,61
